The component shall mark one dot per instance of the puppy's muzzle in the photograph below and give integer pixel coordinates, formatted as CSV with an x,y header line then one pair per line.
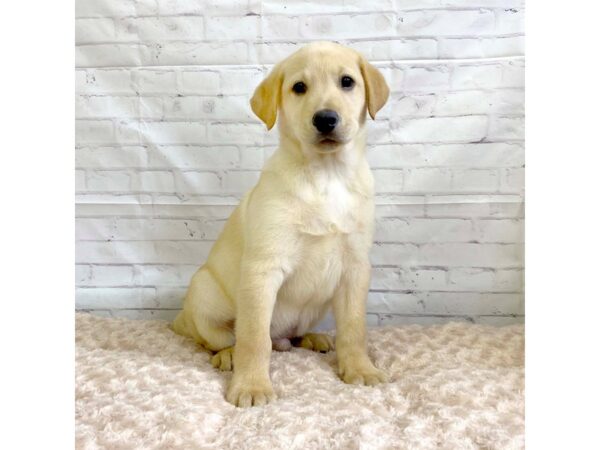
x,y
325,120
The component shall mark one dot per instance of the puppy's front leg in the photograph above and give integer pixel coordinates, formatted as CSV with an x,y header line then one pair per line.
x,y
250,384
349,307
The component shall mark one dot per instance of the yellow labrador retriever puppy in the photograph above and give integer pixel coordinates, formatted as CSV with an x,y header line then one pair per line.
x,y
299,240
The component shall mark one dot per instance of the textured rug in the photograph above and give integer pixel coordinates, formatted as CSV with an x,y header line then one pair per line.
x,y
453,386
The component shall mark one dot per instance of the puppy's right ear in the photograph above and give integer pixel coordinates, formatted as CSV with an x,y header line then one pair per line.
x,y
265,100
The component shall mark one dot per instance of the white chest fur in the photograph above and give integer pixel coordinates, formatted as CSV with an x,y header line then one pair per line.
x,y
329,205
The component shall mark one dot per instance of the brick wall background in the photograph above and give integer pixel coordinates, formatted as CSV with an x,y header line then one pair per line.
x,y
167,144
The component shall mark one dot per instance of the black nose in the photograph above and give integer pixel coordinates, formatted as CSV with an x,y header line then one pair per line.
x,y
325,120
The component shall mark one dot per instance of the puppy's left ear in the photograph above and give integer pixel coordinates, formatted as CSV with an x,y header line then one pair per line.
x,y
265,100
377,90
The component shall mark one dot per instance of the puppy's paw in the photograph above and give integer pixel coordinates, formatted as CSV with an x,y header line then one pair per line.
x,y
363,374
316,341
223,359
245,395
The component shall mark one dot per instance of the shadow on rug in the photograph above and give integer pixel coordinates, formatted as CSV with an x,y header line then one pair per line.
x,y
453,386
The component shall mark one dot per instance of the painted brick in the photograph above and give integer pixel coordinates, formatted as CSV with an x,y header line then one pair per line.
x,y
395,302
500,321
164,275
397,49
240,81
159,29
111,157
197,182
87,107
128,131
94,30
94,228
484,155
428,180
254,157
460,103
510,21
417,105
481,47
509,280
79,180
142,252
83,275
498,206
120,275
446,23
270,52
439,129
402,206
183,7
403,320
512,180
301,7
471,279
506,231
173,132
194,157
115,297
115,8
279,27
104,81
154,81
150,229
394,254
199,82
475,180
136,314
513,74
236,133
406,280
506,128
477,76
198,53
472,303
509,101
208,108
231,28
348,26
420,230
114,55
153,181
426,79
94,131
470,254
170,297
388,180
108,180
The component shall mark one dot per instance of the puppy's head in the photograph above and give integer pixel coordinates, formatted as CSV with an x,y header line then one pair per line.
x,y
321,94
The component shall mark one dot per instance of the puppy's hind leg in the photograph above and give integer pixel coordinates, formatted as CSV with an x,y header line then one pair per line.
x,y
208,315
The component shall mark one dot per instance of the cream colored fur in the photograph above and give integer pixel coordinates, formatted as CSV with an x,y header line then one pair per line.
x,y
299,241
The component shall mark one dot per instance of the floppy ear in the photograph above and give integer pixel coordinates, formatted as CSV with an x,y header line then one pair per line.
x,y
265,100
377,91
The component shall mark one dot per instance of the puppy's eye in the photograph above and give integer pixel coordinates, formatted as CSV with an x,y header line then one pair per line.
x,y
347,82
299,87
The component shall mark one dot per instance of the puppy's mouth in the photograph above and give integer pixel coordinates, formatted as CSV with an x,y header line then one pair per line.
x,y
328,141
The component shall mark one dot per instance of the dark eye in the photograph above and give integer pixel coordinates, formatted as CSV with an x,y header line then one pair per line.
x,y
347,82
299,87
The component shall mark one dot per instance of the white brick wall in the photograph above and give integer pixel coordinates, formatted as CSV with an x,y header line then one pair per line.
x,y
167,144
